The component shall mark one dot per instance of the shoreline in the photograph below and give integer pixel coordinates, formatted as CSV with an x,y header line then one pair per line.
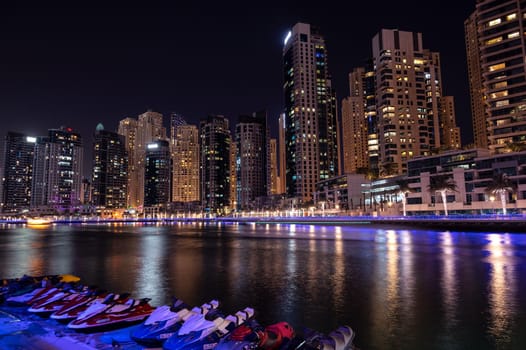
x,y
493,223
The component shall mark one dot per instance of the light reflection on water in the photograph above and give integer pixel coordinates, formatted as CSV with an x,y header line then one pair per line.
x,y
397,288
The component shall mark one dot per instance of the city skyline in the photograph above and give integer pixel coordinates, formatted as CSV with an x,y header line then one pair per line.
x,y
89,65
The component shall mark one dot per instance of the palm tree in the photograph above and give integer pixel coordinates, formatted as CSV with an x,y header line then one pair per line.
x,y
388,169
443,184
501,186
403,190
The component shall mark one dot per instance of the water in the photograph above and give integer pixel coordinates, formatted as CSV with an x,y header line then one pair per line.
x,y
398,289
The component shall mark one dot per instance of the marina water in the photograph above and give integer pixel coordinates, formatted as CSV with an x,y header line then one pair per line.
x,y
397,288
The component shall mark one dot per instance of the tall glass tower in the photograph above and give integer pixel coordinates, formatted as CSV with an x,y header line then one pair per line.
x,y
311,134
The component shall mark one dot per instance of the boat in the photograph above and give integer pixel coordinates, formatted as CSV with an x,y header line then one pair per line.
x,y
252,335
75,307
114,315
57,301
166,320
39,221
339,339
208,333
46,288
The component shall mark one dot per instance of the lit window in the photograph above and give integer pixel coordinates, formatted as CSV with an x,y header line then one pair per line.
x,y
511,17
497,67
502,103
494,22
513,35
494,40
499,94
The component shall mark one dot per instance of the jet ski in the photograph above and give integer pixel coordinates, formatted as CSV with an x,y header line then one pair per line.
x,y
45,287
11,287
58,300
114,315
208,333
252,335
339,339
73,308
166,320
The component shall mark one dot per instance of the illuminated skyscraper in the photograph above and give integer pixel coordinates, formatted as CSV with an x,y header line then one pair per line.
x,y
128,129
110,164
146,129
18,172
310,112
282,150
252,171
354,125
449,131
185,156
274,179
496,48
408,88
157,174
57,171
215,149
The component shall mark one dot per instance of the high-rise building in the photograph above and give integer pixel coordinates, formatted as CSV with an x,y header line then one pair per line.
x,y
495,46
408,88
215,148
310,113
176,120
110,169
157,174
185,157
274,179
57,171
128,129
18,172
252,171
354,125
138,133
449,131
282,149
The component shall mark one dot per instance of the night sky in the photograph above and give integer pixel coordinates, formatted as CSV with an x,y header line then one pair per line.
x,y
77,64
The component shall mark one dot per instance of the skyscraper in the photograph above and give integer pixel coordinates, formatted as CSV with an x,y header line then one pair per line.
x,y
157,174
449,131
138,133
408,88
274,179
57,171
185,157
18,172
354,125
495,46
128,129
310,112
252,171
110,165
215,147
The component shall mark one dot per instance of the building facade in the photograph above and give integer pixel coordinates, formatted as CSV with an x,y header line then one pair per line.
x,y
311,119
157,174
495,35
57,171
253,159
215,155
19,150
185,157
110,170
408,88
